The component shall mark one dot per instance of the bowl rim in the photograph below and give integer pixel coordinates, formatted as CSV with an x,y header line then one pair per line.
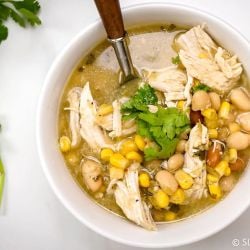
x,y
57,191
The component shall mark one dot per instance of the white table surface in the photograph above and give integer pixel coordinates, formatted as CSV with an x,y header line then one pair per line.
x,y
32,218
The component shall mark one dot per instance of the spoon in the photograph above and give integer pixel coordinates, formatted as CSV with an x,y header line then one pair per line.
x,y
110,12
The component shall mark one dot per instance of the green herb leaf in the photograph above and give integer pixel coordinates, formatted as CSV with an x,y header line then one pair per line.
x,y
2,176
17,18
164,128
144,96
201,86
31,18
21,12
4,13
30,5
3,32
176,60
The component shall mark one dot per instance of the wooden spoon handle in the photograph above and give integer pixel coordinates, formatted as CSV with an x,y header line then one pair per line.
x,y
111,16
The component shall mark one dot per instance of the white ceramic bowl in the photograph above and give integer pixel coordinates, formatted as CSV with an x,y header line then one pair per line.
x,y
79,204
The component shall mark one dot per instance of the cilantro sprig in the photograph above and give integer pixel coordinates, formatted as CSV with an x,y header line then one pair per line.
x,y
22,12
144,96
162,127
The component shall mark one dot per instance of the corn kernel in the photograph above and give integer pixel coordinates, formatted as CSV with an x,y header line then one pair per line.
x,y
203,55
210,114
184,179
119,161
212,133
224,110
221,167
196,82
65,144
169,216
140,143
161,199
233,127
105,109
180,104
227,171
233,155
144,180
106,154
178,196
134,156
128,146
215,191
211,124
116,173
212,179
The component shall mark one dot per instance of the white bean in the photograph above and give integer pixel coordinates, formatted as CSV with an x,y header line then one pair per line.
x,y
238,140
180,148
240,99
227,183
244,121
215,100
175,162
166,181
200,100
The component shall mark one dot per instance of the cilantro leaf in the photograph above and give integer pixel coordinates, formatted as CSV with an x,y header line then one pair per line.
x,y
17,18
21,12
201,86
30,5
31,18
167,149
164,128
144,96
176,60
3,32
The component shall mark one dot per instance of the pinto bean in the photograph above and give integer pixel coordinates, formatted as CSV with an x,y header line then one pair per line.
x,y
213,156
195,117
238,165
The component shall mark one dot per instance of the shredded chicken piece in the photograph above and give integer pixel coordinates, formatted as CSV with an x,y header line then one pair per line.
x,y
128,198
105,121
117,119
187,91
170,81
90,131
204,60
74,117
193,165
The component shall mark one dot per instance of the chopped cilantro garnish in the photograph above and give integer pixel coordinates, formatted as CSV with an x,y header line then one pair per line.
x,y
176,60
144,96
162,127
201,86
